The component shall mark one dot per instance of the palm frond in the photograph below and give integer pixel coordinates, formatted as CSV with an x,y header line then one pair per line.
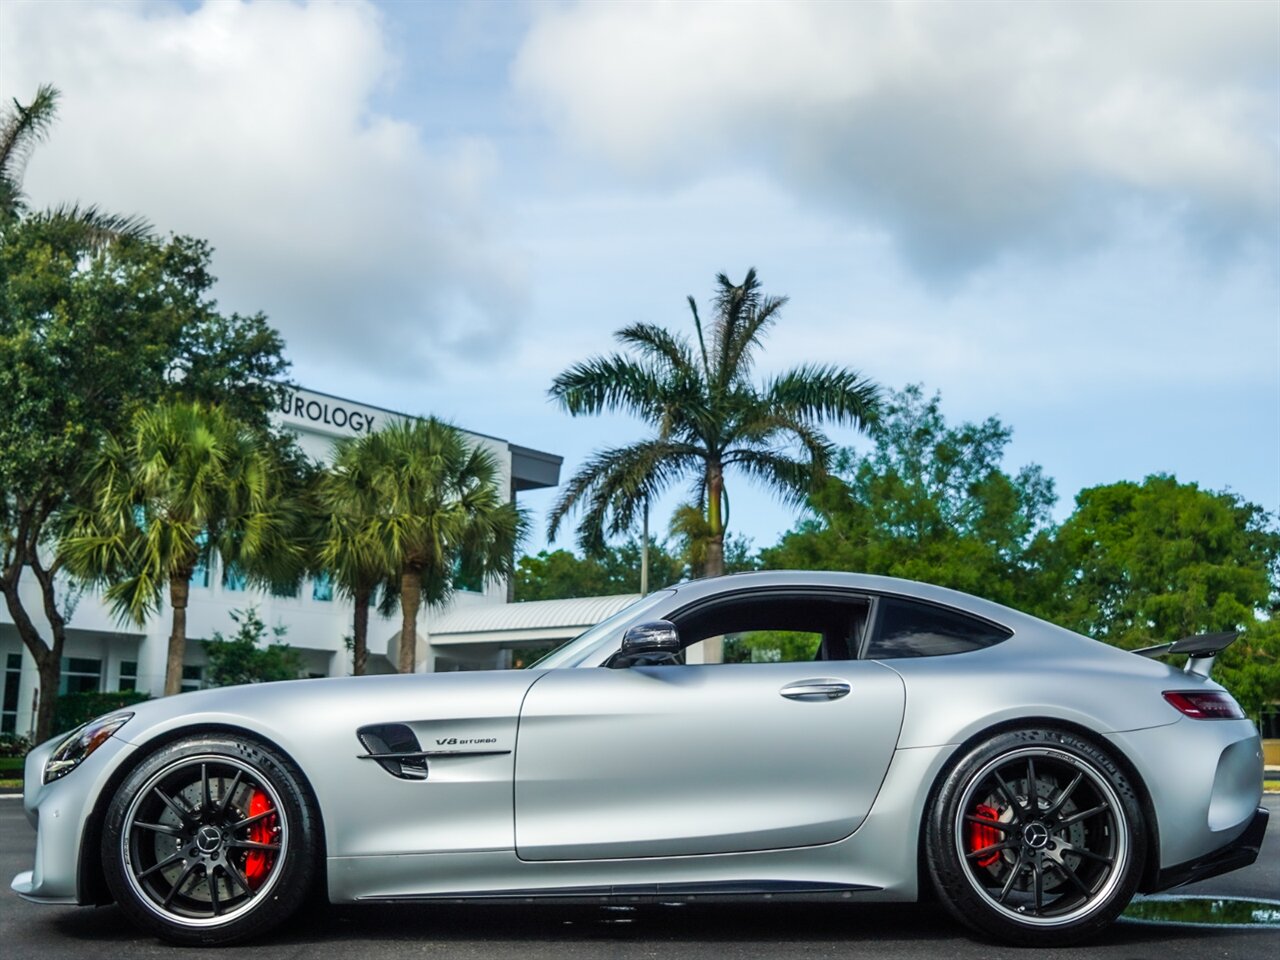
x,y
610,383
93,227
613,484
791,481
21,129
821,392
658,342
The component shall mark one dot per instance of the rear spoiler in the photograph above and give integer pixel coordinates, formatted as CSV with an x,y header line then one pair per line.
x,y
1200,649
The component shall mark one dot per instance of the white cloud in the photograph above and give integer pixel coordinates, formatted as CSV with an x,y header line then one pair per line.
x,y
252,125
967,130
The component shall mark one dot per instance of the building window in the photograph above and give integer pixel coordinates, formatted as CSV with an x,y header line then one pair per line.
x,y
200,572
192,678
285,591
128,675
12,680
233,578
466,580
80,675
322,587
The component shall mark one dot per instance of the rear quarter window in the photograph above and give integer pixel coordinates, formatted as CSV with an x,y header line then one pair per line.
x,y
906,628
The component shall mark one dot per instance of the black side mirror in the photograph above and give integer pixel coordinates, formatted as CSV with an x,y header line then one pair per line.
x,y
657,641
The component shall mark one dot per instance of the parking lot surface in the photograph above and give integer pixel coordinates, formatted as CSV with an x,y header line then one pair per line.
x,y
714,932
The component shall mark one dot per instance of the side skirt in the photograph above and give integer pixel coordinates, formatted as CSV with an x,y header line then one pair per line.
x,y
650,892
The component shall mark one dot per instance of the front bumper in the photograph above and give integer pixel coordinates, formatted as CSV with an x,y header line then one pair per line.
x,y
1240,852
60,812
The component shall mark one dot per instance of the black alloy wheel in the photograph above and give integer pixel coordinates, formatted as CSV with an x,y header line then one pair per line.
x,y
210,840
1036,837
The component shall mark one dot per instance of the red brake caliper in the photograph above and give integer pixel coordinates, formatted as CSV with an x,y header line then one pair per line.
x,y
258,862
981,836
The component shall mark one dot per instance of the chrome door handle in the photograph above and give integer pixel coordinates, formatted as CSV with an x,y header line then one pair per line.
x,y
824,689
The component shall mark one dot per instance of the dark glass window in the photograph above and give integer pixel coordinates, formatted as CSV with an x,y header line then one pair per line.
x,y
80,675
910,629
128,675
12,679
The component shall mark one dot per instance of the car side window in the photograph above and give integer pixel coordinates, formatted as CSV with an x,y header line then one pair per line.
x,y
906,628
778,629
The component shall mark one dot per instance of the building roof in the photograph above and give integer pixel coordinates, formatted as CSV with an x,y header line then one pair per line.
x,y
533,619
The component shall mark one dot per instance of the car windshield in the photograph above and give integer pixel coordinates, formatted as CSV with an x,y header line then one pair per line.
x,y
577,649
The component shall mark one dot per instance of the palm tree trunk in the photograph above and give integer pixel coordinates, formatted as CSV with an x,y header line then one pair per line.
x,y
410,601
179,591
360,631
714,566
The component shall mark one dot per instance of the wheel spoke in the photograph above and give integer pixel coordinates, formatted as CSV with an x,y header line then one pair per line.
x,y
1014,805
1064,795
183,814
1083,815
1087,853
212,876
204,787
252,845
974,818
229,792
241,824
1013,875
182,879
164,828
1033,792
159,866
987,851
1037,866
1071,875
234,873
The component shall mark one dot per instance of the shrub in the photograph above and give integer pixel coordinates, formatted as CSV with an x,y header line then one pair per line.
x,y
13,745
74,709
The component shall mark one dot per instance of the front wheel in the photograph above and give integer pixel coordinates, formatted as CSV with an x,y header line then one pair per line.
x,y
1036,837
210,840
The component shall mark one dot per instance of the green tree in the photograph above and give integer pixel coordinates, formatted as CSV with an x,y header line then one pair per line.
x,y
186,483
1147,563
440,513
245,658
560,574
96,318
929,502
707,416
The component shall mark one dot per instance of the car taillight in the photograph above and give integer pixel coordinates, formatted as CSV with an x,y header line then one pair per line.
x,y
1205,704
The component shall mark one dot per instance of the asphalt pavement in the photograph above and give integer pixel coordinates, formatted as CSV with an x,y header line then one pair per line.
x,y
709,932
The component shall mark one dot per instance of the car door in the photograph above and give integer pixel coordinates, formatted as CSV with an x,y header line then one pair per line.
x,y
709,758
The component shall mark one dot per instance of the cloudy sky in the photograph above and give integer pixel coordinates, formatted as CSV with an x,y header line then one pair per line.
x,y
1065,215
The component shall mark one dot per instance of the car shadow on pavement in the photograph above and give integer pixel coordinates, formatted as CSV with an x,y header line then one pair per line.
x,y
524,926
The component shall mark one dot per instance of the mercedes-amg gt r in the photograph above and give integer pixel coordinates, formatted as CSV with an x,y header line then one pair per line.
x,y
817,736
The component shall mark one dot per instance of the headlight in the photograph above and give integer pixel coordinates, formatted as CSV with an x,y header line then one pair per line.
x,y
81,742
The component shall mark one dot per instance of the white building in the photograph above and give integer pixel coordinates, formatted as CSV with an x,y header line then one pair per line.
x,y
103,654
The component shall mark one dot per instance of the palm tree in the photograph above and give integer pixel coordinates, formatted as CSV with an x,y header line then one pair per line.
x,y
188,482
345,504
418,499
707,416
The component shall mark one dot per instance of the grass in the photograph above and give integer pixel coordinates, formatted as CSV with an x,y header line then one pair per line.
x,y
1271,786
10,786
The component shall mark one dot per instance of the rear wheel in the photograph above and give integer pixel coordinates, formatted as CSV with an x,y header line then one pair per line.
x,y
1036,837
210,840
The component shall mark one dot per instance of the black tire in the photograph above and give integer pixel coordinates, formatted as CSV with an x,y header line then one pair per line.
x,y
1047,872
210,840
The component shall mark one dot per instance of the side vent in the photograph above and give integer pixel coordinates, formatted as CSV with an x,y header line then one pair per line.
x,y
394,748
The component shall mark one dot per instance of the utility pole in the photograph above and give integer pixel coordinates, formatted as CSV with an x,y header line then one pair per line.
x,y
644,551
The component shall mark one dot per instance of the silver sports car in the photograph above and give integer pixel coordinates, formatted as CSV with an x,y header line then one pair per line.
x,y
807,735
